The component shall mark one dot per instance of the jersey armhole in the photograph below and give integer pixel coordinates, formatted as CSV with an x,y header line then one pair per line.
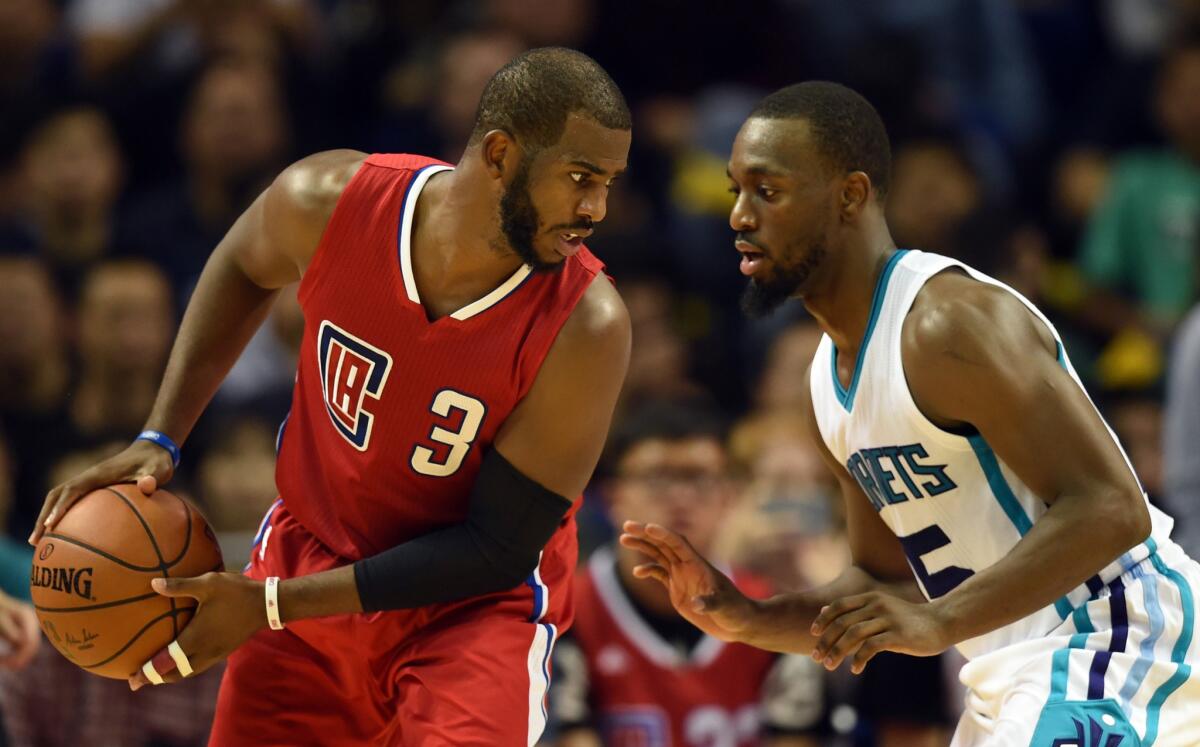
x,y
313,270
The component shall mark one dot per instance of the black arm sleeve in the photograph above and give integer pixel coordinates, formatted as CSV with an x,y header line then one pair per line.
x,y
509,521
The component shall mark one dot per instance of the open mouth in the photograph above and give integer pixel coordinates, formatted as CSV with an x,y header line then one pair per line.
x,y
569,242
752,257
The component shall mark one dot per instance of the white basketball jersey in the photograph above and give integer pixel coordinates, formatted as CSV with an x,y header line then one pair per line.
x,y
954,505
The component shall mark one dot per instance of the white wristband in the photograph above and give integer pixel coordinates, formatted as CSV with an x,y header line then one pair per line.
x,y
272,591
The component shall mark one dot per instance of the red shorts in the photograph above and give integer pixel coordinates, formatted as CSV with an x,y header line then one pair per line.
x,y
466,673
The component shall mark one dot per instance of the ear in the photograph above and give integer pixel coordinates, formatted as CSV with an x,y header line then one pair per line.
x,y
856,194
501,154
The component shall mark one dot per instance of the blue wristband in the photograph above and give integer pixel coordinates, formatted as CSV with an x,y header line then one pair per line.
x,y
162,440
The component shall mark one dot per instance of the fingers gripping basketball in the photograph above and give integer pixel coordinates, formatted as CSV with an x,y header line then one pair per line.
x,y
91,576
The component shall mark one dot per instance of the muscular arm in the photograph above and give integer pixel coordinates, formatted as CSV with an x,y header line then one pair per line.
x,y
976,355
267,248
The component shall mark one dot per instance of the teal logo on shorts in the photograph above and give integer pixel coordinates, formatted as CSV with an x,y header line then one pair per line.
x,y
1088,723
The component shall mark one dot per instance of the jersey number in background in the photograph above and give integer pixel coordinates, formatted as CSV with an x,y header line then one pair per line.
x,y
424,459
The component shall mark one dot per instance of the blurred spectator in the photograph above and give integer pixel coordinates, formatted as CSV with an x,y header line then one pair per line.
x,y
1140,249
71,178
236,484
166,35
124,332
15,555
35,374
1137,420
20,636
659,361
54,703
467,62
783,384
631,671
1181,435
261,380
234,139
934,189
35,56
787,527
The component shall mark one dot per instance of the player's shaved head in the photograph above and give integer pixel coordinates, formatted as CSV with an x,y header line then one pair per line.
x,y
845,128
532,96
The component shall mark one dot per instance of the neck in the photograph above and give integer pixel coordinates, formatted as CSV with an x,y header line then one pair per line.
x,y
455,263
842,303
649,593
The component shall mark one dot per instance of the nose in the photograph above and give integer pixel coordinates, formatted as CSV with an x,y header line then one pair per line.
x,y
594,204
741,219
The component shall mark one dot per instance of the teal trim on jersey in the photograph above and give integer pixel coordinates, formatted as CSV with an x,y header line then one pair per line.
x,y
846,396
1137,674
1178,654
1008,501
1061,355
1060,663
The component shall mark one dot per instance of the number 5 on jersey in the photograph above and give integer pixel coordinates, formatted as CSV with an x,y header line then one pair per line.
x,y
424,459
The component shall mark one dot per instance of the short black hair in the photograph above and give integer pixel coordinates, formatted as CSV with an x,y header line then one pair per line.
x,y
848,130
532,96
662,420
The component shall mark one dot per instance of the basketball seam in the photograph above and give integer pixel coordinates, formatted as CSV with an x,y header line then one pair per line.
x,y
162,562
102,553
187,534
171,614
100,606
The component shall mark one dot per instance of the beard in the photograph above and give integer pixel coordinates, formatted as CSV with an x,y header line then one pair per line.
x,y
519,221
762,298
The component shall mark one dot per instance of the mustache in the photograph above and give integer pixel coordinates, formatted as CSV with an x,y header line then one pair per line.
x,y
743,237
583,224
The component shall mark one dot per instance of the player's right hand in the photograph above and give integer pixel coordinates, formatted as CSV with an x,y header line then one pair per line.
x,y
704,596
143,462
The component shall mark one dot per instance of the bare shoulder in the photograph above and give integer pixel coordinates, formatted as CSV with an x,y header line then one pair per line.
x,y
958,319
300,201
600,318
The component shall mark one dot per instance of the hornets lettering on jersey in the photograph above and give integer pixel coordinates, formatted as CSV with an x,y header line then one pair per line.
x,y
919,480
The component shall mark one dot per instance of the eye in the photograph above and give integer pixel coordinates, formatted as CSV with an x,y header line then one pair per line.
x,y
734,189
766,192
579,177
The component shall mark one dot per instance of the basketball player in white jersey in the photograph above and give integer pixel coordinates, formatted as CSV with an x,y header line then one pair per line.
x,y
989,505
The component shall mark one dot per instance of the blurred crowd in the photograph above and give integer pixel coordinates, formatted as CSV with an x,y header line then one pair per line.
x,y
1054,144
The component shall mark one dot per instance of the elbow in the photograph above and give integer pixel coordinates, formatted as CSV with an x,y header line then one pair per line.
x,y
1128,516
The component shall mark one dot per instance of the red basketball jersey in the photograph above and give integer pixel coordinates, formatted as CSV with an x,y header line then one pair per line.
x,y
392,413
645,693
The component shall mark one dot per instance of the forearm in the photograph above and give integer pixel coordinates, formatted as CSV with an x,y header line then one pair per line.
x,y
783,622
319,595
224,312
1045,564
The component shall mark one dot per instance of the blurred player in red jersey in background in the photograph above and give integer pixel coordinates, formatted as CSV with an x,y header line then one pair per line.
x,y
633,672
462,355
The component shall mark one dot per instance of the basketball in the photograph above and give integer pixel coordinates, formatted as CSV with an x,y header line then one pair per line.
x,y
91,576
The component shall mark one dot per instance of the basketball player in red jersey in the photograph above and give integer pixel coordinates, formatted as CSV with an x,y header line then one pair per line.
x,y
462,356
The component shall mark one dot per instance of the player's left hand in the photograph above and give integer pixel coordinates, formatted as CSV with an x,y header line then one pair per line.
x,y
231,610
862,625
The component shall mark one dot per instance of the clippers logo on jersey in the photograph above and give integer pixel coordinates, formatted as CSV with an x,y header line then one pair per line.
x,y
908,479
351,371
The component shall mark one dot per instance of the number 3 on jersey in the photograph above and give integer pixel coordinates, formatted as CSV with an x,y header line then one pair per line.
x,y
424,459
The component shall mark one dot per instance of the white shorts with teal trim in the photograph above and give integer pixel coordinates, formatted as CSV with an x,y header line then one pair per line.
x,y
1117,673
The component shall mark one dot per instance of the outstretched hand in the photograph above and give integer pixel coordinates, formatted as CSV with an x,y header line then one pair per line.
x,y
699,592
231,610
